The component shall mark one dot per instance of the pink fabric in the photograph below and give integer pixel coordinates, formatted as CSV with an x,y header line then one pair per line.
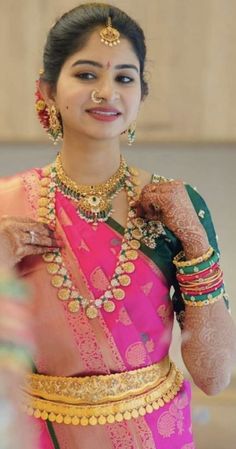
x,y
138,339
137,334
142,332
40,434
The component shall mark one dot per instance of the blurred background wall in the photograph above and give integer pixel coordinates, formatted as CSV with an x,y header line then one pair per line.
x,y
186,129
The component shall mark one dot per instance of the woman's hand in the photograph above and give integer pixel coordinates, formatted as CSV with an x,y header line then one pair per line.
x,y
21,237
169,203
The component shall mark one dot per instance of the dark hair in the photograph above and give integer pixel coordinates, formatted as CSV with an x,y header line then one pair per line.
x,y
71,32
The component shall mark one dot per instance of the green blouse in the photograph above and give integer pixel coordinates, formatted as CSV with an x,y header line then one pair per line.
x,y
167,246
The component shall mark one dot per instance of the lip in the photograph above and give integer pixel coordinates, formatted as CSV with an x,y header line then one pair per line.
x,y
104,114
102,109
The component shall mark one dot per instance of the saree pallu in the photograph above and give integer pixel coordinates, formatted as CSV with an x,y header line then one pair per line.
x,y
137,334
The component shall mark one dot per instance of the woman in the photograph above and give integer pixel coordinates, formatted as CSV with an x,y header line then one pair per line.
x,y
102,308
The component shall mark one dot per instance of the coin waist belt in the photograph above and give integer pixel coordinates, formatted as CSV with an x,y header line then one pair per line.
x,y
101,399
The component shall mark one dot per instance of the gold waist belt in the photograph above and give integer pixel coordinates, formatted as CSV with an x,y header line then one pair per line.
x,y
101,399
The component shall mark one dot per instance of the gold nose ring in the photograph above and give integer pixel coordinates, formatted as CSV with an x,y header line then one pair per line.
x,y
95,98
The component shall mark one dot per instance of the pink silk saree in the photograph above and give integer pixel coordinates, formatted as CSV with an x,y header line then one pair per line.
x,y
137,334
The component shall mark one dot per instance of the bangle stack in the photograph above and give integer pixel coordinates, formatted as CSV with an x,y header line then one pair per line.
x,y
200,279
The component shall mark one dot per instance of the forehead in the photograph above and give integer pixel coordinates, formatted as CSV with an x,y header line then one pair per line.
x,y
94,49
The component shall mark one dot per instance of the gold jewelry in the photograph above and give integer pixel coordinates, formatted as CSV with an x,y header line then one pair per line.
x,y
202,283
132,134
94,203
205,302
188,263
95,98
55,128
126,260
109,35
101,399
32,237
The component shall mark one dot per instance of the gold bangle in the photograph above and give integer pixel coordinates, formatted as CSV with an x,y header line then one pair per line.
x,y
205,302
188,263
203,282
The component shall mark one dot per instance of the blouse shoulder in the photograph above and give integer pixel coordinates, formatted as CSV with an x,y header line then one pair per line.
x,y
16,180
13,191
200,207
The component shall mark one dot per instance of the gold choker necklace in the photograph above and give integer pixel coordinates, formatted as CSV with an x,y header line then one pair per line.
x,y
94,202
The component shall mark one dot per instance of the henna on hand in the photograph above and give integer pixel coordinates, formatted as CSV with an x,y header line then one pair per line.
x,y
16,242
209,346
169,203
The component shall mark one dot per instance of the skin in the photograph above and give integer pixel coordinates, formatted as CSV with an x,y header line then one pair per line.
x,y
175,211
87,140
15,240
209,333
90,155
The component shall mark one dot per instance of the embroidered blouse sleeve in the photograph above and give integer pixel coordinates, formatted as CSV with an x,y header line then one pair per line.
x,y
206,220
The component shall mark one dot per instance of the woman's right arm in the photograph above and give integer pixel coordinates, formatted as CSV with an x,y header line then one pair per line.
x,y
21,237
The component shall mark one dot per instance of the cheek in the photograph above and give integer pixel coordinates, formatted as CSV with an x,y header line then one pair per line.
x,y
133,102
70,96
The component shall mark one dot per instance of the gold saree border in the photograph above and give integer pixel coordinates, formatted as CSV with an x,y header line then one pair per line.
x,y
101,399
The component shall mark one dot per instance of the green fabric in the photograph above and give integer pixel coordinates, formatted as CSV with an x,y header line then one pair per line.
x,y
52,434
168,246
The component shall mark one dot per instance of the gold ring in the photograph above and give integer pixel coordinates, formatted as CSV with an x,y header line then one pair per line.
x,y
32,237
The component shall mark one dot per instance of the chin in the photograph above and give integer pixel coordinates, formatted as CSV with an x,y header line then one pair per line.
x,y
104,135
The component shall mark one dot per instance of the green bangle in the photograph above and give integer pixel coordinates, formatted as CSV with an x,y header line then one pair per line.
x,y
208,296
207,302
201,266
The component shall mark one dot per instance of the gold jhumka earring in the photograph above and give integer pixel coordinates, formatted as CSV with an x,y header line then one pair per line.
x,y
110,36
132,134
48,116
55,128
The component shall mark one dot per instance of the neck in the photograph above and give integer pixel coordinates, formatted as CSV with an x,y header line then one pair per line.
x,y
90,161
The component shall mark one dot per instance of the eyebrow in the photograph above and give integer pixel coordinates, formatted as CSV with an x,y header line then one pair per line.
x,y
97,64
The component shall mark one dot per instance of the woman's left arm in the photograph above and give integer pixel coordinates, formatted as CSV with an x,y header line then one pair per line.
x,y
209,333
209,346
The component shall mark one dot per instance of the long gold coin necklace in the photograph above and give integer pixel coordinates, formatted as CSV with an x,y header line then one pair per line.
x,y
128,254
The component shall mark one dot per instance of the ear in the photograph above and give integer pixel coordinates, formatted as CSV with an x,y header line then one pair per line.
x,y
48,92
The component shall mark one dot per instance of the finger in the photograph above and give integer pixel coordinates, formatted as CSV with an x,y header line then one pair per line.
x,y
50,242
26,220
140,212
38,228
17,226
31,250
39,240
18,219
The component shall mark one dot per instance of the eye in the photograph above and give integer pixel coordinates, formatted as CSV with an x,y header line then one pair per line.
x,y
125,79
85,76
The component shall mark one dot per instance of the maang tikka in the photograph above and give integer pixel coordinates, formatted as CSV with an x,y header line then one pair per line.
x,y
110,36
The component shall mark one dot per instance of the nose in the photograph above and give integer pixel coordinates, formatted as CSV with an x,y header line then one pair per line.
x,y
108,91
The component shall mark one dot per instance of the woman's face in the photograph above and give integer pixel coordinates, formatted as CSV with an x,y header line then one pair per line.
x,y
112,71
